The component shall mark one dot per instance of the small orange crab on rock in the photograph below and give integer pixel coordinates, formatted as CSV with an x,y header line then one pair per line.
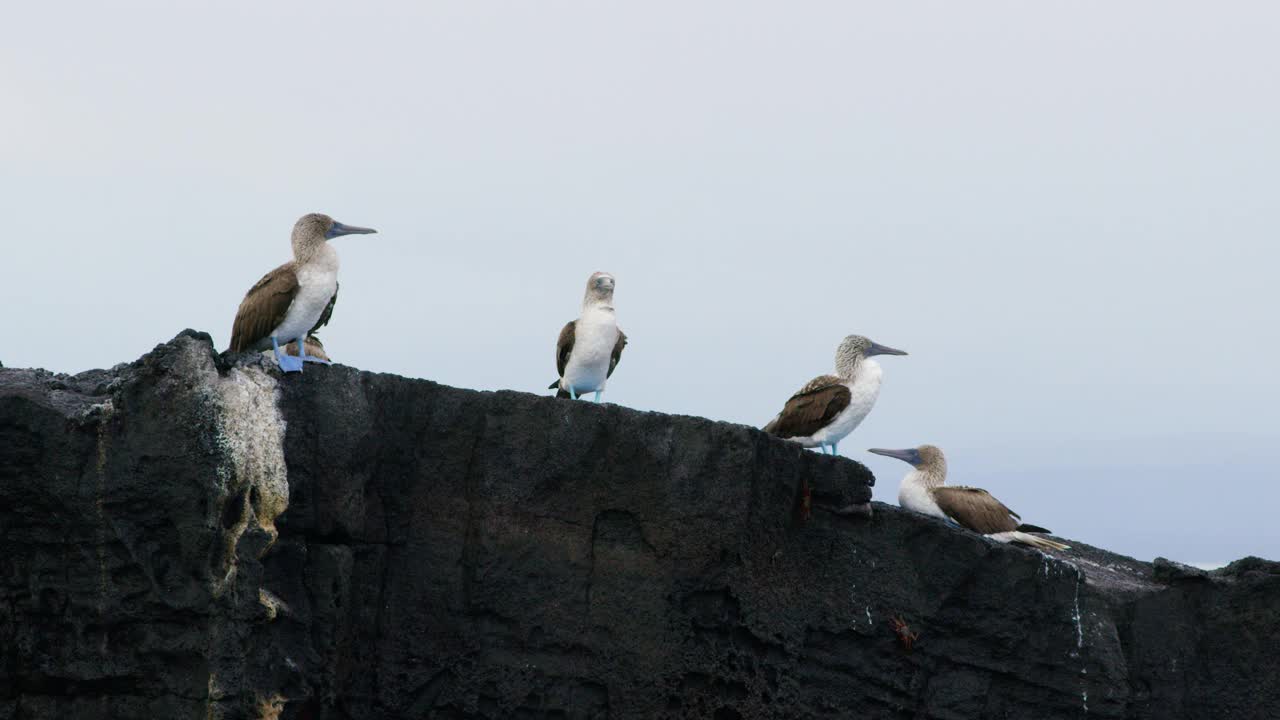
x,y
804,502
903,631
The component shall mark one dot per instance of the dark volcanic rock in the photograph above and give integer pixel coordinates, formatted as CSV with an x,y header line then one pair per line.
x,y
168,549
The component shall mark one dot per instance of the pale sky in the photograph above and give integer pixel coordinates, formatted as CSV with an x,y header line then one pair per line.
x,y
1065,211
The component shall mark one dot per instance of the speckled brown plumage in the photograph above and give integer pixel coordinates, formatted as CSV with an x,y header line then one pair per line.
x,y
975,509
812,408
264,308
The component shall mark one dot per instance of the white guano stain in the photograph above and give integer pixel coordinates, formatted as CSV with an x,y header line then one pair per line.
x,y
1075,613
1077,619
249,432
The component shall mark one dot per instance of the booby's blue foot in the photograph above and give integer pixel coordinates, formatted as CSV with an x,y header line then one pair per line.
x,y
573,393
835,448
598,394
302,354
287,363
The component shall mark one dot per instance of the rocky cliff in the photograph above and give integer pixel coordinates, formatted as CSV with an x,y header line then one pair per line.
x,y
194,536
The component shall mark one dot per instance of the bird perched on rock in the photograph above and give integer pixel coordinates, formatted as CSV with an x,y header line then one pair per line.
x,y
923,490
829,407
313,347
590,347
296,298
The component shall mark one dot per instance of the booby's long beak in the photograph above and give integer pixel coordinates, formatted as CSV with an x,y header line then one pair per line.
x,y
878,349
339,229
910,455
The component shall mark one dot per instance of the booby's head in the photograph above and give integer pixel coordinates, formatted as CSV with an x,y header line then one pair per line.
x,y
926,458
599,289
313,229
854,349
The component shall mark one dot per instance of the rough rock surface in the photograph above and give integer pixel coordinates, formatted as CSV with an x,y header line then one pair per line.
x,y
194,536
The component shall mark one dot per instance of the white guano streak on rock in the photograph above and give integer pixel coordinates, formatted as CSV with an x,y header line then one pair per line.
x,y
1075,614
250,433
1078,618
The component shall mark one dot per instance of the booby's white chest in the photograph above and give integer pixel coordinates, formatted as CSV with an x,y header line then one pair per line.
x,y
863,392
594,337
914,495
317,282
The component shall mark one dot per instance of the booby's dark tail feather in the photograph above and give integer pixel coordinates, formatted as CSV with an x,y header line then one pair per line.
x,y
1033,528
554,384
563,394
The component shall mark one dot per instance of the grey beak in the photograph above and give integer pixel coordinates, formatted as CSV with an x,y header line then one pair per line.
x,y
878,349
906,456
339,229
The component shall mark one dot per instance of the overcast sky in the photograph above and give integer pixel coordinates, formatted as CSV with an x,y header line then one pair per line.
x,y
1065,211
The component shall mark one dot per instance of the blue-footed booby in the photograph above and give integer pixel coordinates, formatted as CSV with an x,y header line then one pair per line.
x,y
296,298
829,407
923,491
590,347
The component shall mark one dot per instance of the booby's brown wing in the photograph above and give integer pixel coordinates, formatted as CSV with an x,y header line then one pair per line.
x,y
328,312
975,509
811,409
264,307
564,346
613,359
